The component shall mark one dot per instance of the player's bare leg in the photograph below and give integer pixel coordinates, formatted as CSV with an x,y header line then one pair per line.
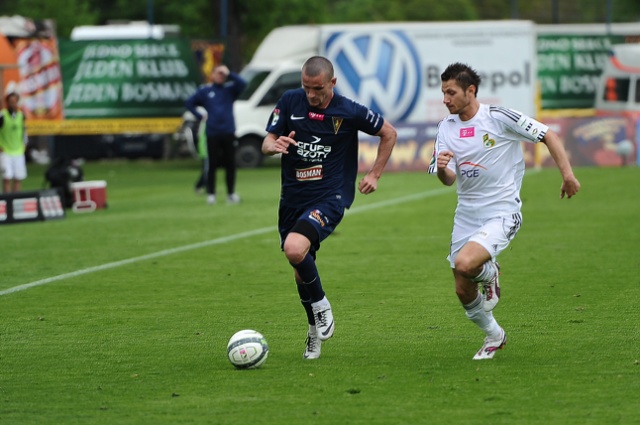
x,y
475,263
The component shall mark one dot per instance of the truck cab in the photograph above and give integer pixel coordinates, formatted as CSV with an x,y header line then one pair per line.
x,y
275,68
255,104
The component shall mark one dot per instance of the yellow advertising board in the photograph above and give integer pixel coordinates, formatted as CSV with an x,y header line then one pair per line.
x,y
103,126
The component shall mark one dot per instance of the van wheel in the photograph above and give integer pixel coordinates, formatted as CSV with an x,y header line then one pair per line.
x,y
249,152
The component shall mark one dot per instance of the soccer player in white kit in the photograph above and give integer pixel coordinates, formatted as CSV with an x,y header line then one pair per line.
x,y
478,146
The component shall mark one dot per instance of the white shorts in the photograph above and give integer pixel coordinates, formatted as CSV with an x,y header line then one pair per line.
x,y
494,234
14,167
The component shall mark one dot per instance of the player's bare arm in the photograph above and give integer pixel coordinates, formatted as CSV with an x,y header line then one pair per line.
x,y
388,137
445,175
570,185
274,144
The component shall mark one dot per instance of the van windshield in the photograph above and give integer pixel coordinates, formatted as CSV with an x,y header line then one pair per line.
x,y
288,81
254,78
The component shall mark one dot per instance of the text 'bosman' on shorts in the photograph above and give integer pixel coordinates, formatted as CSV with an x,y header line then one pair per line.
x,y
494,234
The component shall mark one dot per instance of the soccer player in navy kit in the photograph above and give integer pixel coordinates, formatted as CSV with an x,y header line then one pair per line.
x,y
316,131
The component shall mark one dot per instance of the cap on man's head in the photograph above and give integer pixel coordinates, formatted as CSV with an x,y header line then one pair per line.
x,y
11,89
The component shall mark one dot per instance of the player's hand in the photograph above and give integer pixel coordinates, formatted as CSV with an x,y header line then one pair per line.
x,y
282,143
368,184
570,187
443,159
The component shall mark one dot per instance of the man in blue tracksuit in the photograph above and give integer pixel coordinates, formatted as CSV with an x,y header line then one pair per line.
x,y
217,98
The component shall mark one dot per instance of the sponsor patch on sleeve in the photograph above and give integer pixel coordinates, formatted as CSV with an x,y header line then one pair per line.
x,y
275,115
532,127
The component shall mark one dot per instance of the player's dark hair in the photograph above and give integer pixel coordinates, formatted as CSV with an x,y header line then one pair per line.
x,y
464,75
317,65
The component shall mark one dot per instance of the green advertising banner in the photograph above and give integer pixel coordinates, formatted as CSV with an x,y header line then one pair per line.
x,y
127,78
569,68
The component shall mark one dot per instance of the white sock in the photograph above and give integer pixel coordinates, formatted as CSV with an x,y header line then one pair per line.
x,y
484,320
487,273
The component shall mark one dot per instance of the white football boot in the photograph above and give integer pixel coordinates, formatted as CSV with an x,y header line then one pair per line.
x,y
490,346
324,319
313,344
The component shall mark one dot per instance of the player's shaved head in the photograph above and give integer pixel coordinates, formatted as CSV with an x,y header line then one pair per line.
x,y
317,65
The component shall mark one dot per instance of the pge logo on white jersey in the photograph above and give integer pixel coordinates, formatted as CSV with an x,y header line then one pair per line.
x,y
380,70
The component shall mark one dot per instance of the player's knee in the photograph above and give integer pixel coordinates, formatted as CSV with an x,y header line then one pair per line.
x,y
294,256
294,250
299,241
465,266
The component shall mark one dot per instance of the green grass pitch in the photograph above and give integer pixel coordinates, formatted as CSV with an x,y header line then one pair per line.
x,y
122,316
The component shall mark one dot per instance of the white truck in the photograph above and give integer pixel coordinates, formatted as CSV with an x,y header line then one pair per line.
x,y
393,68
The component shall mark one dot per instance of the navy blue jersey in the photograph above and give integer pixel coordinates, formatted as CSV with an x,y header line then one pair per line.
x,y
324,165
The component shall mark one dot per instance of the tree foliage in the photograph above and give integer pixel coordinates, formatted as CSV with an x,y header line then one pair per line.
x,y
249,21
67,14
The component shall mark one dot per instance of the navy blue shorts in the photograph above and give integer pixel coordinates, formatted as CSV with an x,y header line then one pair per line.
x,y
324,217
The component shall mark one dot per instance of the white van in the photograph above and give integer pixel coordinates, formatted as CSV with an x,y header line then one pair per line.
x,y
274,69
619,88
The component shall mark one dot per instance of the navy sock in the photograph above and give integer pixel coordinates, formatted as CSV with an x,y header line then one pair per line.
x,y
305,300
310,277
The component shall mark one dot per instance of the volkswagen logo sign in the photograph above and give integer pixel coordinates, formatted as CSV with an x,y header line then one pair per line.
x,y
380,69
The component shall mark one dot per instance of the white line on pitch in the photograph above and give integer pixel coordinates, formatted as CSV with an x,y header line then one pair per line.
x,y
211,242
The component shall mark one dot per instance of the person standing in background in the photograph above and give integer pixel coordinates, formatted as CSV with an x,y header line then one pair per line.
x,y
13,142
218,98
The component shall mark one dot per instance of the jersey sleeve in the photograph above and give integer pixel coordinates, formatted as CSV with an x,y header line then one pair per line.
x,y
193,102
277,122
531,130
239,84
439,145
369,122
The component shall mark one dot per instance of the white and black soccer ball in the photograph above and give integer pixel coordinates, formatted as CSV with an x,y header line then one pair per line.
x,y
247,349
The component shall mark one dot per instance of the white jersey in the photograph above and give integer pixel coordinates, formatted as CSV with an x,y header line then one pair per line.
x,y
487,158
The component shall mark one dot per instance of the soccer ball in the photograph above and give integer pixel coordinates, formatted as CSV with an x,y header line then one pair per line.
x,y
247,349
